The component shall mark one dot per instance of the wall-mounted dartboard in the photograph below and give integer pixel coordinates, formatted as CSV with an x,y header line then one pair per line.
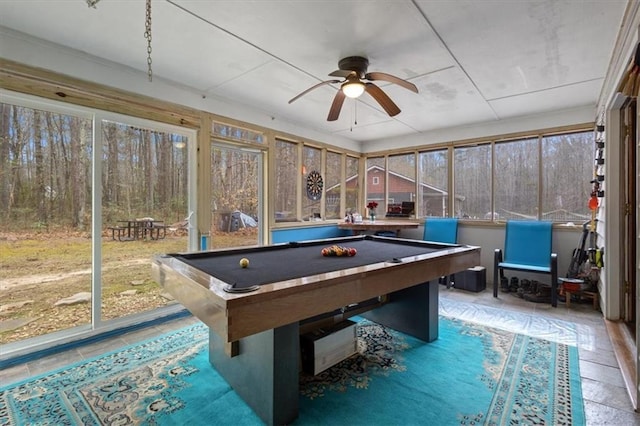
x,y
314,185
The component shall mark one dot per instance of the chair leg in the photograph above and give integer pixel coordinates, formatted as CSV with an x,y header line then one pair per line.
x,y
554,280
497,258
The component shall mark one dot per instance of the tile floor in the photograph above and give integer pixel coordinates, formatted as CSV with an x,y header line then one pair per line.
x,y
606,400
605,397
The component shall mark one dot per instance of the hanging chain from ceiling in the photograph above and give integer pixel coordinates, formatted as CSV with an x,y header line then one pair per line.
x,y
147,35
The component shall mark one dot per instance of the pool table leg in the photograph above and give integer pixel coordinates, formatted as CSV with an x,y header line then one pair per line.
x,y
413,311
264,373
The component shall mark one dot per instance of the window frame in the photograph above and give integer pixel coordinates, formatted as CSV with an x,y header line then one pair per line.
x,y
98,325
538,136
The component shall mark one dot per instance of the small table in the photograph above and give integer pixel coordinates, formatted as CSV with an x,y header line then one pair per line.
x,y
135,228
378,226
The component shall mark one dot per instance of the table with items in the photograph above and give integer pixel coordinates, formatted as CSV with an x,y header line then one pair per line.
x,y
378,226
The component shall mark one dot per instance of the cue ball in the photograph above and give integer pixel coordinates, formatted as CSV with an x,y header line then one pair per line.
x,y
244,262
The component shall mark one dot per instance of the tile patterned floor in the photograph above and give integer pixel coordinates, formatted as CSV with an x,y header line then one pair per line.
x,y
606,399
605,396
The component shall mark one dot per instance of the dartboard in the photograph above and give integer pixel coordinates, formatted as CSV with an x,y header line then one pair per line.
x,y
314,185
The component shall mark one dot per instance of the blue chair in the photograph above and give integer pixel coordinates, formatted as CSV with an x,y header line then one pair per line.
x,y
441,230
527,247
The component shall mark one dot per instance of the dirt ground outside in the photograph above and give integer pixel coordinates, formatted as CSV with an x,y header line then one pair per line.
x,y
39,272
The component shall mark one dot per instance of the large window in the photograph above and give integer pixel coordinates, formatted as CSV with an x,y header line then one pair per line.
x,y
311,202
286,175
472,181
45,188
566,176
402,179
295,162
433,193
352,185
145,196
516,179
236,196
332,181
376,183
66,265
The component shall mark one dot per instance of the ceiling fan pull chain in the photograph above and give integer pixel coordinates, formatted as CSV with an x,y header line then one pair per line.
x,y
147,35
354,115
355,109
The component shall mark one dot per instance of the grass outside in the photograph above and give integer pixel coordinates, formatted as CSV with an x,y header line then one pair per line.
x,y
38,270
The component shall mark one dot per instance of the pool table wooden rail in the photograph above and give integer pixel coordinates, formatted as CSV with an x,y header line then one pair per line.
x,y
235,316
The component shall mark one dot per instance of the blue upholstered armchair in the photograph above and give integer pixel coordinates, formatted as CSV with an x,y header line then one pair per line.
x,y
527,247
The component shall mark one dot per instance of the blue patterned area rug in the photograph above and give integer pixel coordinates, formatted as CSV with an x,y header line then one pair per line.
x,y
472,375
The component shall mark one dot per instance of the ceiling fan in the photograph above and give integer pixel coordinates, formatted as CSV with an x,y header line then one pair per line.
x,y
354,70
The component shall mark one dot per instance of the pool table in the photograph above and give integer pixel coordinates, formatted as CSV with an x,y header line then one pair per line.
x,y
256,314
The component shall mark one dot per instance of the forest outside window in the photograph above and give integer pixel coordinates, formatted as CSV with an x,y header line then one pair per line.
x,y
286,179
472,181
517,179
567,172
64,161
308,183
333,180
543,177
352,185
433,192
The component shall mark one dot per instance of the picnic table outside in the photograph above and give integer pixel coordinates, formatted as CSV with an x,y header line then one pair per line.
x,y
138,229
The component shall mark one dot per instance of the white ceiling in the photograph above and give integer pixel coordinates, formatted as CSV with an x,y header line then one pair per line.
x,y
473,61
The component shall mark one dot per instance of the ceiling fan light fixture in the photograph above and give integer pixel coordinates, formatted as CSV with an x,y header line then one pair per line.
x,y
353,89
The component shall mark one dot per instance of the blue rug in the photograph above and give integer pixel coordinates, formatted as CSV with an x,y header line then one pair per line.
x,y
471,375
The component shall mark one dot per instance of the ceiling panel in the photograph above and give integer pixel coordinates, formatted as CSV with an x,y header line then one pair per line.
x,y
473,61
581,94
447,98
380,130
516,47
314,35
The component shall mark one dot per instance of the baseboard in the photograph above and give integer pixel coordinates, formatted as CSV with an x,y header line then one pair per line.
x,y
624,347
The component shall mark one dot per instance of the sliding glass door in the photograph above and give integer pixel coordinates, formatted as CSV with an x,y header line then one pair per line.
x,y
145,208
45,211
87,199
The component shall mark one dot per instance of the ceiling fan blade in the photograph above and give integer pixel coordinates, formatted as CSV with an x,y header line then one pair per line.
x,y
342,73
314,87
385,101
336,106
391,79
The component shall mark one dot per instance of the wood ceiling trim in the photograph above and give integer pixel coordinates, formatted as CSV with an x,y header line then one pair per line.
x,y
47,84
